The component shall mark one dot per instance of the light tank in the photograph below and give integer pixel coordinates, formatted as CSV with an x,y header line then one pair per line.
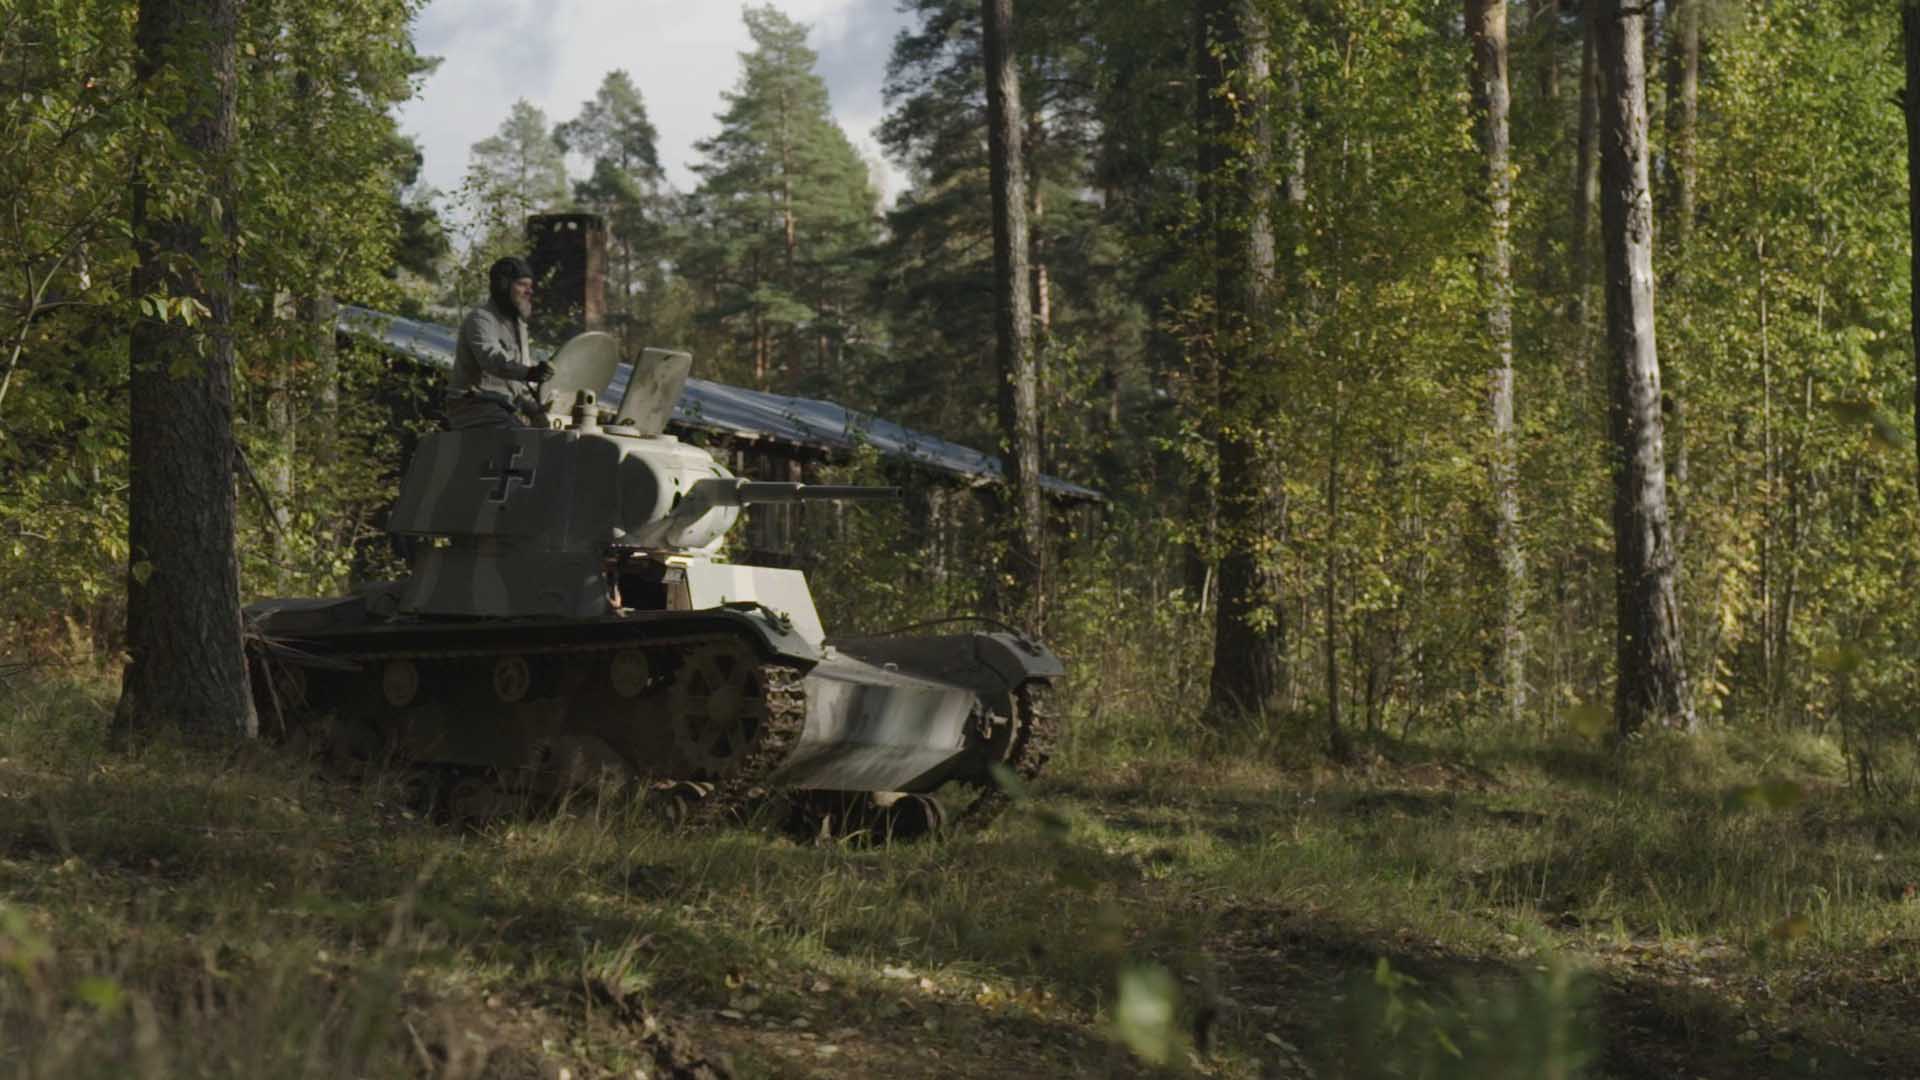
x,y
566,622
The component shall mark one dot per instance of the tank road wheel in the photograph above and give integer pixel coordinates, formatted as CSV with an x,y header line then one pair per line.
x,y
399,683
511,678
718,706
629,672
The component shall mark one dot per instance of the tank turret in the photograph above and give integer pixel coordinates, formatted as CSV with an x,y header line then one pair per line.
x,y
546,521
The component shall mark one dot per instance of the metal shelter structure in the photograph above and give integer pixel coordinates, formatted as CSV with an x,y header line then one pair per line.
x,y
804,426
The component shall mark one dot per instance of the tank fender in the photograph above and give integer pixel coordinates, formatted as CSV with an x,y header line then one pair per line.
x,y
1016,659
773,633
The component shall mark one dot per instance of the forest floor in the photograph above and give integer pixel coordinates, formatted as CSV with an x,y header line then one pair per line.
x,y
1703,908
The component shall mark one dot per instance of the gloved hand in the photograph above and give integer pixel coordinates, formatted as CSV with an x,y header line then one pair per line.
x,y
540,372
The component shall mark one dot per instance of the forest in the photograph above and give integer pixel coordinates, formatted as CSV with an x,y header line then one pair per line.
x,y
1490,652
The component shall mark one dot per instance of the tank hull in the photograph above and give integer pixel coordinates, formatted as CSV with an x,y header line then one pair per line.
x,y
731,696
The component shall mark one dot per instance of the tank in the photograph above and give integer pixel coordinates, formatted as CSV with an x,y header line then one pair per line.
x,y
567,623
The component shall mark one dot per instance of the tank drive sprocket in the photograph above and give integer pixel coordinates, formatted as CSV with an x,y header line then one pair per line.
x,y
719,705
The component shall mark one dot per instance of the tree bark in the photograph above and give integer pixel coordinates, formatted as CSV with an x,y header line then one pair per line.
x,y
1682,115
1651,679
1013,322
1249,655
1486,22
1586,181
185,668
1910,34
283,445
1682,172
317,317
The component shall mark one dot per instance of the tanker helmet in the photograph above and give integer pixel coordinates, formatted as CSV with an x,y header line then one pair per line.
x,y
501,276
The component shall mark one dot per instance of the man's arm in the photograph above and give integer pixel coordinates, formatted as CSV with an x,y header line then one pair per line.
x,y
478,334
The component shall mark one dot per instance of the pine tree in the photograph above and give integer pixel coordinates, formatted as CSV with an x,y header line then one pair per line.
x,y
1091,227
1486,22
516,172
782,218
185,667
1650,669
615,135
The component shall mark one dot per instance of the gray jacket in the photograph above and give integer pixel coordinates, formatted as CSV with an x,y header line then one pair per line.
x,y
491,351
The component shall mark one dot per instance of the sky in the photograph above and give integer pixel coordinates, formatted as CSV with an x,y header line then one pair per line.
x,y
682,55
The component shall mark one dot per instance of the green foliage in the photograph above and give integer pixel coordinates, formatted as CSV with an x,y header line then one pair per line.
x,y
518,171
615,135
1538,1026
937,263
318,217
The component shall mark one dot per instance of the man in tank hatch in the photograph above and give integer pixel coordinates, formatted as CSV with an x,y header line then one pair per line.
x,y
492,354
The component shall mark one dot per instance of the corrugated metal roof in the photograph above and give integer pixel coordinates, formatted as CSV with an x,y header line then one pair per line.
x,y
733,411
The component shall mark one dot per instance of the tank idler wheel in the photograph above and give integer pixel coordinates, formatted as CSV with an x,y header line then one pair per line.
x,y
718,706
1021,742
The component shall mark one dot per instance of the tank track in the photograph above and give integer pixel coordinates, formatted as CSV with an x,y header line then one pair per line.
x,y
733,797
730,796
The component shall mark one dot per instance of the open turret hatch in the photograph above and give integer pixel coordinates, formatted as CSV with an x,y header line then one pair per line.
x,y
651,389
640,397
585,363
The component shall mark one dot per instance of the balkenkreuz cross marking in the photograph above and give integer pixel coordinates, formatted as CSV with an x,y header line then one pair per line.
x,y
504,477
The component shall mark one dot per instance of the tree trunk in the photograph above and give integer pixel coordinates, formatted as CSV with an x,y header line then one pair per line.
x,y
1910,32
185,666
1036,242
1586,183
284,445
1682,115
1542,35
1651,677
317,317
1683,111
1487,30
1013,322
1339,746
1249,653
1544,22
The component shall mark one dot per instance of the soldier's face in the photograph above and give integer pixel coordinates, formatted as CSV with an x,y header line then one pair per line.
x,y
522,292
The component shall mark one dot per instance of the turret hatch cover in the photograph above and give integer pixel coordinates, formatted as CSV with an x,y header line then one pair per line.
x,y
585,363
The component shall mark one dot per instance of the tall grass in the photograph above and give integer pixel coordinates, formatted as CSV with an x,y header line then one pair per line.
x,y
1160,895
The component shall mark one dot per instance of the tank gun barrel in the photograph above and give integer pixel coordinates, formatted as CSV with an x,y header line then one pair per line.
x,y
709,507
773,491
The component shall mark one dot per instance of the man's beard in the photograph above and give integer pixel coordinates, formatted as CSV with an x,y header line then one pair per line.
x,y
522,307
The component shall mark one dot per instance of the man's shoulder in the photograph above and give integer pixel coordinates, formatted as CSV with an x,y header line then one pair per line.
x,y
483,317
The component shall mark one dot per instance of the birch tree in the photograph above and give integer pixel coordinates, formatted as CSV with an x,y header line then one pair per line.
x,y
1650,674
1487,32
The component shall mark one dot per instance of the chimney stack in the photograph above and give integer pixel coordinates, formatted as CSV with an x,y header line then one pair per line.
x,y
569,256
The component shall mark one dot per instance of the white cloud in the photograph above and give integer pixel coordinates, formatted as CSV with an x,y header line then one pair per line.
x,y
682,55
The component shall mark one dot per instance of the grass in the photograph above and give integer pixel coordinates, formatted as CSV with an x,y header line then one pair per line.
x,y
1223,906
